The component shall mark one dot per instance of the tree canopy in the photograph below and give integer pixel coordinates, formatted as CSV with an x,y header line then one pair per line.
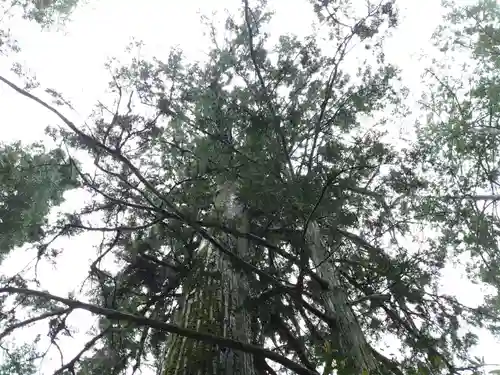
x,y
254,216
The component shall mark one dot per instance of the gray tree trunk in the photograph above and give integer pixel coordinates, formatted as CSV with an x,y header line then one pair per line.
x,y
349,337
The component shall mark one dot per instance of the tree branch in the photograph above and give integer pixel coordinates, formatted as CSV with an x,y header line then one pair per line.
x,y
171,328
26,322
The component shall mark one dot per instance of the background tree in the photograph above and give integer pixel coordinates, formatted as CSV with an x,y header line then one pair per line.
x,y
32,180
257,186
459,144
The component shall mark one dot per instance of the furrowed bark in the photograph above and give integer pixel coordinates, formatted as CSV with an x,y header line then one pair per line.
x,y
209,303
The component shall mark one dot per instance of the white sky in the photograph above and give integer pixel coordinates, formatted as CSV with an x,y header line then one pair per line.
x,y
72,63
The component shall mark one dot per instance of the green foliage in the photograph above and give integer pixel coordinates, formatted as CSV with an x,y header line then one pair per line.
x,y
292,128
460,143
19,360
45,13
32,180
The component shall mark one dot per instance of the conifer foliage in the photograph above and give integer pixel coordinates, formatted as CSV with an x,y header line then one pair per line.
x,y
260,221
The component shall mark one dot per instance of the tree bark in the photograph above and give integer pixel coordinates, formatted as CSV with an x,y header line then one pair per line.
x,y
209,303
350,337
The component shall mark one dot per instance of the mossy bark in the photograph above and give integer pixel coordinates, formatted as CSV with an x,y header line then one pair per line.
x,y
209,304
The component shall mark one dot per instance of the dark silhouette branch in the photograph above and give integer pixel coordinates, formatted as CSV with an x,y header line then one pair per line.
x,y
26,322
88,345
171,328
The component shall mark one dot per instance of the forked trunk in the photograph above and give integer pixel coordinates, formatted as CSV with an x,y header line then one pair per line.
x,y
350,337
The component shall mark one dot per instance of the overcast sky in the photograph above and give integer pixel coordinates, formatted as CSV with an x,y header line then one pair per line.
x,y
72,63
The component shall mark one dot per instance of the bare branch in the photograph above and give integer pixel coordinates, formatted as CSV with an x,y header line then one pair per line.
x,y
88,345
27,322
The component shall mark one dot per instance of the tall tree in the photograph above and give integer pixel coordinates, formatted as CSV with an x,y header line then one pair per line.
x,y
32,181
32,178
459,143
254,216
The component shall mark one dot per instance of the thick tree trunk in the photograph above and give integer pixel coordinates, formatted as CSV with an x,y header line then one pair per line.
x,y
350,337
209,304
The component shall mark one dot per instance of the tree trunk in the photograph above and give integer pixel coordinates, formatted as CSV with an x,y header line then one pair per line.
x,y
209,302
350,337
